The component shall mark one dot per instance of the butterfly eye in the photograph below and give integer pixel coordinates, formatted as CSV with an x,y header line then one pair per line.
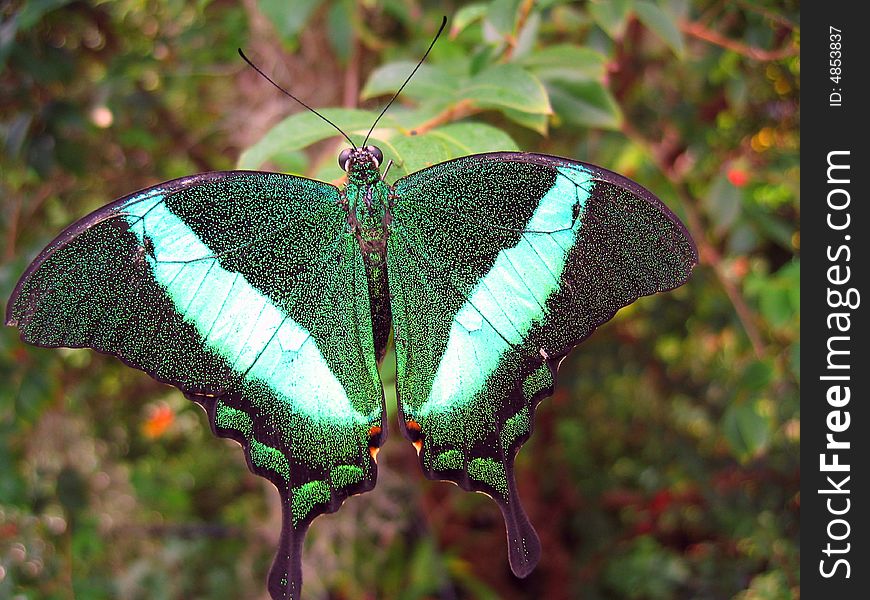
x,y
344,159
376,154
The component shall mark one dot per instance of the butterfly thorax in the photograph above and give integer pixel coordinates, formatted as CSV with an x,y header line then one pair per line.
x,y
365,199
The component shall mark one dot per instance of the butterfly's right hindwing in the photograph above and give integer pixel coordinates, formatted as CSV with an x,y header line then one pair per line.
x,y
246,291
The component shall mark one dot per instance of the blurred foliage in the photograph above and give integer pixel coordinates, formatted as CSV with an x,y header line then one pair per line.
x,y
666,465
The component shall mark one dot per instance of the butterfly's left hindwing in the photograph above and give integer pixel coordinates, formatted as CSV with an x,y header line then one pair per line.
x,y
246,291
498,265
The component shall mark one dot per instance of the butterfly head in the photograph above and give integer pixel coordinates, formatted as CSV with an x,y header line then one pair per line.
x,y
361,164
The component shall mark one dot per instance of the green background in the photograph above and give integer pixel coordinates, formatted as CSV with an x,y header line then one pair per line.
x,y
665,466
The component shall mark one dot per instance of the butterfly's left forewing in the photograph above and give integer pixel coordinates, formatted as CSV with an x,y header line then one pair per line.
x,y
498,265
246,291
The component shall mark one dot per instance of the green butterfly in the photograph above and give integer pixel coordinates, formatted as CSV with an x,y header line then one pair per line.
x,y
268,299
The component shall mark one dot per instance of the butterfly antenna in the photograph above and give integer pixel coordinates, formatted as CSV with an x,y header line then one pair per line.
x,y
286,93
396,95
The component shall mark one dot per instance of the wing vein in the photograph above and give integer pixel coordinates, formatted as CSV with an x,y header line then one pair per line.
x,y
428,261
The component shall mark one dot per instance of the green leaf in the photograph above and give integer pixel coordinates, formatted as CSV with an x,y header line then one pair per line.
x,y
565,62
340,28
790,276
473,138
770,225
303,129
527,37
507,86
723,203
29,15
587,104
747,429
429,81
778,294
290,161
776,305
288,18
757,376
413,153
330,172
501,19
662,24
33,11
742,238
611,15
536,122
500,87
467,15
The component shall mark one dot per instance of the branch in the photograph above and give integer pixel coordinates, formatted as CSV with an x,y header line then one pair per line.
x,y
708,35
711,255
460,110
523,12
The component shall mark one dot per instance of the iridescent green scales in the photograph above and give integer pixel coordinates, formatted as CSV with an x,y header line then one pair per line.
x,y
262,455
269,299
249,293
512,259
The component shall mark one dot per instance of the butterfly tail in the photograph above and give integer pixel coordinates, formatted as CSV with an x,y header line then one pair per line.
x,y
285,576
524,546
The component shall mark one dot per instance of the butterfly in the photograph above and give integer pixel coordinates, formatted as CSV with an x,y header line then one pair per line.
x,y
269,298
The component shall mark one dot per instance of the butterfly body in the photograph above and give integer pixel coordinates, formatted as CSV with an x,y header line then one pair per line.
x,y
268,299
366,198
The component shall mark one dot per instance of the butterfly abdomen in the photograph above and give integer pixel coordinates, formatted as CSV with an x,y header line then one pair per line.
x,y
367,219
380,301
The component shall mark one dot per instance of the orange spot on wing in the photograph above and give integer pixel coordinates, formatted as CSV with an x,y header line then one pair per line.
x,y
414,429
374,441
